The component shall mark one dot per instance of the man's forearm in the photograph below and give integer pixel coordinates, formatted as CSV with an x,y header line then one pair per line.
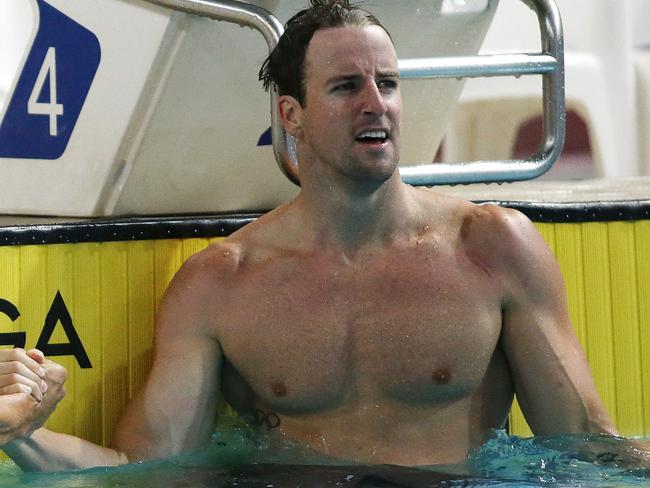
x,y
602,449
45,450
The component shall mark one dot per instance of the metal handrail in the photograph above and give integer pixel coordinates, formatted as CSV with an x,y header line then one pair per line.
x,y
549,63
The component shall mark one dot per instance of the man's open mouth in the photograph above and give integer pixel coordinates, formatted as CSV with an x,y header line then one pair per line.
x,y
373,137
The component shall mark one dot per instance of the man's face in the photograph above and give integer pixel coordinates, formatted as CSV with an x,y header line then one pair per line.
x,y
350,121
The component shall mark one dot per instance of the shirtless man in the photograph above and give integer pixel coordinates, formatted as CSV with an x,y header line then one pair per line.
x,y
363,306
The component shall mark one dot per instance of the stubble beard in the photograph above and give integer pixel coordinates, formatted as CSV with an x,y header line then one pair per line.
x,y
367,170
375,168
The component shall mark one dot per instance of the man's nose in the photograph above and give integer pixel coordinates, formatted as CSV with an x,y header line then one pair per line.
x,y
373,100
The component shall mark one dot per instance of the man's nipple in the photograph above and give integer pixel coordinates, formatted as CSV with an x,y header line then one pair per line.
x,y
279,389
441,376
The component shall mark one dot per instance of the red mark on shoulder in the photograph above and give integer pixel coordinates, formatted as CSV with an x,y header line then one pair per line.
x,y
470,219
477,261
474,255
279,389
441,376
465,227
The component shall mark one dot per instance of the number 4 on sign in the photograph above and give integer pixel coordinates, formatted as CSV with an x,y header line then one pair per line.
x,y
51,108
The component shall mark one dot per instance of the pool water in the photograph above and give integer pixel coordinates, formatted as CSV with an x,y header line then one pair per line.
x,y
562,461
240,458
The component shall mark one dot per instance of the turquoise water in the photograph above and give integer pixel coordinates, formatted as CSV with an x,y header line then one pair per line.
x,y
238,458
562,461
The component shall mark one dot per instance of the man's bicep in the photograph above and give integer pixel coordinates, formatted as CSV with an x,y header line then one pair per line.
x,y
175,411
552,378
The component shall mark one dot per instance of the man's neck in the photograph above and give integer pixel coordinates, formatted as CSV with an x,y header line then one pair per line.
x,y
353,218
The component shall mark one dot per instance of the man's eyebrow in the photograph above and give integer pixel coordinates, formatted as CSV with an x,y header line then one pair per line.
x,y
389,74
342,78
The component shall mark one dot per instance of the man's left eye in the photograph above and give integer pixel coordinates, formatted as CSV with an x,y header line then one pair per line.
x,y
390,84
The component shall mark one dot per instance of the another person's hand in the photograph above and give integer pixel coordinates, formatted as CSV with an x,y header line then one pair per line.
x,y
30,388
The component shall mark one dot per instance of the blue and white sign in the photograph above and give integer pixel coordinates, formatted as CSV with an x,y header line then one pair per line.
x,y
51,89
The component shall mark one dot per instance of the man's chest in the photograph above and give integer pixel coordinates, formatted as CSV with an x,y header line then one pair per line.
x,y
309,339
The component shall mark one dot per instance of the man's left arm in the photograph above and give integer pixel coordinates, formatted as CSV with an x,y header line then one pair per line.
x,y
552,379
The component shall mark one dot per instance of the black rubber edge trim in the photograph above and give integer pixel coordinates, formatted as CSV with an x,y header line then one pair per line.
x,y
222,225
125,229
578,212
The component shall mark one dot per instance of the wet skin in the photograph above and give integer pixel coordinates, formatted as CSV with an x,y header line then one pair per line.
x,y
399,345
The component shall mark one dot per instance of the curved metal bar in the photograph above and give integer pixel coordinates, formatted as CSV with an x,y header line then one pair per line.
x,y
230,11
551,64
271,29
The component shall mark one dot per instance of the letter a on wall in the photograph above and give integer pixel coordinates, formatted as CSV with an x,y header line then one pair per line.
x,y
51,89
59,313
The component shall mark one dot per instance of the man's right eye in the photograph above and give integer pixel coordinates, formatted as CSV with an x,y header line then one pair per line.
x,y
344,86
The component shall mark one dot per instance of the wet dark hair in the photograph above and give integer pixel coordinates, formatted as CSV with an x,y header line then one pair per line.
x,y
285,65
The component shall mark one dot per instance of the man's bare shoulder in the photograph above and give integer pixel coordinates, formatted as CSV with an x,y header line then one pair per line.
x,y
508,243
212,264
504,235
272,234
201,279
215,266
197,293
487,217
499,228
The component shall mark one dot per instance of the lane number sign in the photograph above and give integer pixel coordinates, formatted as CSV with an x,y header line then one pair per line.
x,y
51,89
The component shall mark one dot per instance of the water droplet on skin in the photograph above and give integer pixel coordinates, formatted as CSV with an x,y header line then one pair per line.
x,y
226,253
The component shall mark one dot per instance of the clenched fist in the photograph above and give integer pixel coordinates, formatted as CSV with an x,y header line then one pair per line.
x,y
30,388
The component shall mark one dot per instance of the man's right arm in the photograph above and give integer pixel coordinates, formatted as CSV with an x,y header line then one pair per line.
x,y
175,411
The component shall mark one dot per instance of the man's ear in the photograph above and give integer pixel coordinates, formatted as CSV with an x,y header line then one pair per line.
x,y
290,114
